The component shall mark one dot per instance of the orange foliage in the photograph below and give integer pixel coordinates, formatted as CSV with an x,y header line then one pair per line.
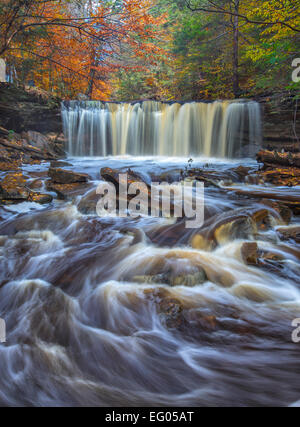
x,y
76,49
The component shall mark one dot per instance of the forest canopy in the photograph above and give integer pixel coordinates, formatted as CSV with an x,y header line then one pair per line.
x,y
154,49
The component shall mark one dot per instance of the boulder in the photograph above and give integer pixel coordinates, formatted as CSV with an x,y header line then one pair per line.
x,y
14,189
88,203
62,176
266,259
171,312
236,226
35,184
189,280
171,279
249,253
170,309
289,197
67,191
275,158
162,279
289,233
288,177
40,198
283,210
59,164
112,175
47,144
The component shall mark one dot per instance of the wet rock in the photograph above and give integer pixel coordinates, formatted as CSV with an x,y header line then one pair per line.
x,y
37,140
113,175
234,224
16,148
156,279
242,172
110,175
61,176
249,253
35,184
59,164
253,179
289,177
275,158
40,198
13,187
46,144
171,279
67,191
254,256
88,203
283,210
189,280
169,176
9,166
289,233
171,312
169,235
289,197
262,219
223,229
202,321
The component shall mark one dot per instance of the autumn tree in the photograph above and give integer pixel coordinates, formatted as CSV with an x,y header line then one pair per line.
x,y
75,44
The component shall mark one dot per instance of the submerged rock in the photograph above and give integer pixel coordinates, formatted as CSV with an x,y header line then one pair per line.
x,y
88,203
171,310
189,280
156,279
254,256
283,210
289,233
236,226
61,176
171,279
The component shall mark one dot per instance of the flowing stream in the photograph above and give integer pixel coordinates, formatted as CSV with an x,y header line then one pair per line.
x,y
93,317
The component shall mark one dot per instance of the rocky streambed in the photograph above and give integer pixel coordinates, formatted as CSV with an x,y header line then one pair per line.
x,y
143,311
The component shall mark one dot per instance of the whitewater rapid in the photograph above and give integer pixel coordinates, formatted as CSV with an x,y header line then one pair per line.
x,y
82,331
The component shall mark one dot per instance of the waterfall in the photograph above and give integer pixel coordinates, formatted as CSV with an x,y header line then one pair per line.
x,y
220,129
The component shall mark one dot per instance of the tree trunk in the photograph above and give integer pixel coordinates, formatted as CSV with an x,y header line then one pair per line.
x,y
236,79
90,88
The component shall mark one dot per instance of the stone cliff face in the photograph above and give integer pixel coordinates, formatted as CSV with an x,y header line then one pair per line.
x,y
30,126
281,122
30,109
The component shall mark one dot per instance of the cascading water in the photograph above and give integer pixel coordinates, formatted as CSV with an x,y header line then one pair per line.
x,y
220,129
